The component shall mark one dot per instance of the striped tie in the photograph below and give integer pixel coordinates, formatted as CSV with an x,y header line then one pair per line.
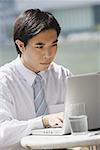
x,y
39,97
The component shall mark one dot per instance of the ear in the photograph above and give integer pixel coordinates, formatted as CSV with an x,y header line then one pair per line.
x,y
20,45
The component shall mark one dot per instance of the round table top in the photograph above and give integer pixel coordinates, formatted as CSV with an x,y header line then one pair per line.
x,y
62,141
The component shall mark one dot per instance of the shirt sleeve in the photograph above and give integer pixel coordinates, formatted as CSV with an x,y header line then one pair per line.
x,y
11,129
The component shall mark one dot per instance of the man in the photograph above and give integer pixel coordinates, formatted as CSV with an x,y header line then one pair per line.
x,y
35,36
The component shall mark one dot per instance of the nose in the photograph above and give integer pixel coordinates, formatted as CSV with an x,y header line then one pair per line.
x,y
47,54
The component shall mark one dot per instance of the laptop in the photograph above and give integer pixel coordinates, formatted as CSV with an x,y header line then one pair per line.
x,y
84,88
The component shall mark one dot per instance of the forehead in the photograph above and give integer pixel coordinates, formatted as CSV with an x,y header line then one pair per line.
x,y
47,36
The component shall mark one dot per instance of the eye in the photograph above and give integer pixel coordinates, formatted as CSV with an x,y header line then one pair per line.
x,y
39,47
54,44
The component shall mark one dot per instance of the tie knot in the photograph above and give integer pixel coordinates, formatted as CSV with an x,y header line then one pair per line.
x,y
38,76
38,79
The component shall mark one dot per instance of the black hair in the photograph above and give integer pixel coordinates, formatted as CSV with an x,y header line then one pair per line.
x,y
31,22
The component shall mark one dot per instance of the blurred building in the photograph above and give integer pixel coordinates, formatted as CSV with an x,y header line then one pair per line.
x,y
79,19
79,46
73,16
7,15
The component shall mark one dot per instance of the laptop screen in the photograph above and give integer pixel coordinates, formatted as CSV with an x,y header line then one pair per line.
x,y
85,89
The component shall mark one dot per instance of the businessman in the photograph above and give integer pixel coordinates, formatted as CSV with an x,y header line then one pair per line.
x,y
32,87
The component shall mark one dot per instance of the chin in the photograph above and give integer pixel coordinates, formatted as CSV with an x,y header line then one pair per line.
x,y
44,68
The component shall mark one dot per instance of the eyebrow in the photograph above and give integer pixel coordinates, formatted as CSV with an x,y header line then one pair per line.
x,y
40,43
55,41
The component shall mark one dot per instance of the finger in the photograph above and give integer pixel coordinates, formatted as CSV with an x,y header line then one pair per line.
x,y
61,118
58,123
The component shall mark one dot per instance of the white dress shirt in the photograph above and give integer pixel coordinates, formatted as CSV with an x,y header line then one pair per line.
x,y
17,112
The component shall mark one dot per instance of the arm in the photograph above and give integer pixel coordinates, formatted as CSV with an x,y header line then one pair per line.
x,y
11,129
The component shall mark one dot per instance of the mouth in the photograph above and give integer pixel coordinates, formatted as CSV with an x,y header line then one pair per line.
x,y
45,63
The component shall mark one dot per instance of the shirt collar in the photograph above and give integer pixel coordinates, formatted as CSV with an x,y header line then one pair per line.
x,y
27,74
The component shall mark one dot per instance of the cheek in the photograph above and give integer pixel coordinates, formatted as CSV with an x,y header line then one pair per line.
x,y
54,52
36,57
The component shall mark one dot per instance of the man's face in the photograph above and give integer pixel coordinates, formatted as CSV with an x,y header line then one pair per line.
x,y
40,50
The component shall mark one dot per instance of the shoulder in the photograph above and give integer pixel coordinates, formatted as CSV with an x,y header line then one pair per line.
x,y
59,70
6,71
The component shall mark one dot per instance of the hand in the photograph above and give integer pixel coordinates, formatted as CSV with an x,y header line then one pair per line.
x,y
53,120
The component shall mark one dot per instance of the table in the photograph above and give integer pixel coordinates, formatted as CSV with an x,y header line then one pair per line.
x,y
63,141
